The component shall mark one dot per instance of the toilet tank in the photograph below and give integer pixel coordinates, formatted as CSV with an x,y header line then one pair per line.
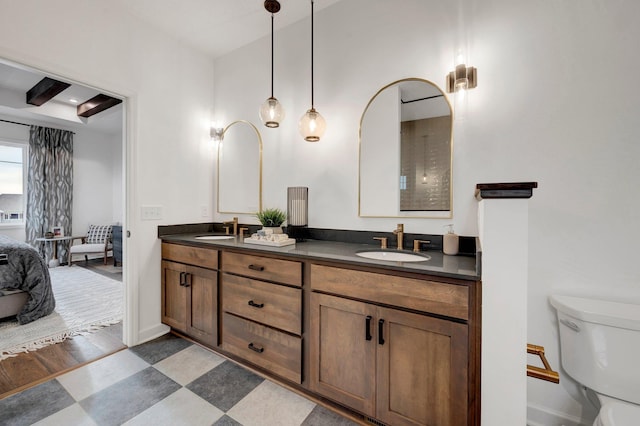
x,y
600,344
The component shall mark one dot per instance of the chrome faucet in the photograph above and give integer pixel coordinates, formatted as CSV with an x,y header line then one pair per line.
x,y
233,222
399,231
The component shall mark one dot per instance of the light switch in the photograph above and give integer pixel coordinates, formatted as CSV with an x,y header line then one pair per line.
x,y
151,212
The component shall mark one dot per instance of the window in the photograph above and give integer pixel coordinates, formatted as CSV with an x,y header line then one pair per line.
x,y
13,178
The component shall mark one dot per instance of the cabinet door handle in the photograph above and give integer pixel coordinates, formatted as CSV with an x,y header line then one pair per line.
x,y
256,305
380,329
255,348
187,279
182,278
256,267
367,328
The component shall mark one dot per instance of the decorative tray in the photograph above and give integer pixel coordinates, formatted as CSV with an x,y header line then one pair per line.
x,y
282,243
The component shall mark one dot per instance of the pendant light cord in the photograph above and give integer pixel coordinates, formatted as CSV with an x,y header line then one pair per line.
x,y
272,55
312,104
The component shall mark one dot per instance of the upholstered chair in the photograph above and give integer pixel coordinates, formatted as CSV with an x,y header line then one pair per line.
x,y
97,241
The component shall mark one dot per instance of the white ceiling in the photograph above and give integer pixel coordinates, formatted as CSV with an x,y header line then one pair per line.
x,y
219,26
214,27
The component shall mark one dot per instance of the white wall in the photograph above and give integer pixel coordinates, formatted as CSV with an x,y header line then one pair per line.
x,y
168,88
95,184
551,106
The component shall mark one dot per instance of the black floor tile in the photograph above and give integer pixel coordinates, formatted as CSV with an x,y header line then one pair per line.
x,y
160,348
226,421
129,397
320,416
35,404
225,385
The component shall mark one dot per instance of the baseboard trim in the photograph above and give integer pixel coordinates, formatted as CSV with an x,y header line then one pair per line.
x,y
152,333
541,416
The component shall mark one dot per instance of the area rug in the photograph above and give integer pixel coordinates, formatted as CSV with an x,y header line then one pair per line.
x,y
85,302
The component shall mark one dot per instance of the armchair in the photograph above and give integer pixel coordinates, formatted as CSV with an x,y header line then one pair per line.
x,y
97,241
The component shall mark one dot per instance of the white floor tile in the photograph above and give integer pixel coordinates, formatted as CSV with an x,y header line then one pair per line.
x,y
270,404
180,408
188,364
72,415
101,374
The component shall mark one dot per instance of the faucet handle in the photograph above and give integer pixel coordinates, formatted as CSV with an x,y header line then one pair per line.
x,y
226,230
383,241
416,244
241,231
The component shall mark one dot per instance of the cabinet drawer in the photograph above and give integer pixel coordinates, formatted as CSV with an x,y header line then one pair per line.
x,y
266,268
204,257
422,295
271,304
273,350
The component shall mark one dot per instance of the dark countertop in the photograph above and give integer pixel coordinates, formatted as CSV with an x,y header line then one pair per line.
x,y
460,267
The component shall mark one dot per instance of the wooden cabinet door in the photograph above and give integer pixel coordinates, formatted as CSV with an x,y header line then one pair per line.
x,y
202,304
342,351
422,370
174,296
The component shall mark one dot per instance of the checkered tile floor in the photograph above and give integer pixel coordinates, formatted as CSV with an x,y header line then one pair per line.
x,y
168,381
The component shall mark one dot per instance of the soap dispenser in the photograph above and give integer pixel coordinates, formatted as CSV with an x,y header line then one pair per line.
x,y
450,242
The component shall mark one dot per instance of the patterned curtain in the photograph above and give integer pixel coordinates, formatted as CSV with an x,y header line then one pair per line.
x,y
49,186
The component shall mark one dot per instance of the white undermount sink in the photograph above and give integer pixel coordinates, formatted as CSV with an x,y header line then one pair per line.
x,y
393,256
215,237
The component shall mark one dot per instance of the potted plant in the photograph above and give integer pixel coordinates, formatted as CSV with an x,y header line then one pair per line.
x,y
272,219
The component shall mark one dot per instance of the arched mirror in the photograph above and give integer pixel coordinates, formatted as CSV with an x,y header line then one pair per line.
x,y
406,152
240,169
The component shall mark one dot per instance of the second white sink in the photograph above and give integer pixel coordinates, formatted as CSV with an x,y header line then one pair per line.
x,y
393,256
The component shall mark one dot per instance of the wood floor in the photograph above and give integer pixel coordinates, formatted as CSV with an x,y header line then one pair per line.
x,y
32,368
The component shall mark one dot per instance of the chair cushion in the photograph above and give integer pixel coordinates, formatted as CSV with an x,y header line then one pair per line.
x,y
88,248
98,233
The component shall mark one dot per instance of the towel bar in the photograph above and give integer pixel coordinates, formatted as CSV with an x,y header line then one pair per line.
x,y
545,373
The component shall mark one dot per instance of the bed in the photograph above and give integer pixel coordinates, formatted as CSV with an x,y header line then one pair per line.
x,y
25,285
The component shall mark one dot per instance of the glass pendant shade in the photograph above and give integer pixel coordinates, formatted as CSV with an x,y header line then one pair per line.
x,y
312,126
271,112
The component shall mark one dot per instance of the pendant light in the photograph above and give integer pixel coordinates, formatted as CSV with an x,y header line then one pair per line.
x,y
312,124
271,111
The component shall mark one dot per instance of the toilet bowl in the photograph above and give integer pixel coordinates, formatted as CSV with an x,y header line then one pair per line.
x,y
600,348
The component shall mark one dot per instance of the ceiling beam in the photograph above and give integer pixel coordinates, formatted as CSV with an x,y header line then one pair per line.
x,y
97,104
45,90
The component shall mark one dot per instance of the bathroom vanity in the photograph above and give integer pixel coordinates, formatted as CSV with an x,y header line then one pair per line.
x,y
393,342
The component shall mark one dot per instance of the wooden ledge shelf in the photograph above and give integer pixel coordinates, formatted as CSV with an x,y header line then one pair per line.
x,y
505,190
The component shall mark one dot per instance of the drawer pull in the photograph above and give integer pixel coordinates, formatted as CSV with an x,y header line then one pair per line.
x,y
187,280
256,305
255,348
367,328
182,280
256,267
380,328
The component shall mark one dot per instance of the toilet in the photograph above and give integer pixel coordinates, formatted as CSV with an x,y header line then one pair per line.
x,y
600,349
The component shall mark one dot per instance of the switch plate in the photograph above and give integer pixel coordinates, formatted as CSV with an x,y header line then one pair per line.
x,y
151,212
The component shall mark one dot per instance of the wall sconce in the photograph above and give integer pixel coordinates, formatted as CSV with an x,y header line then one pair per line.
x,y
216,133
462,78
